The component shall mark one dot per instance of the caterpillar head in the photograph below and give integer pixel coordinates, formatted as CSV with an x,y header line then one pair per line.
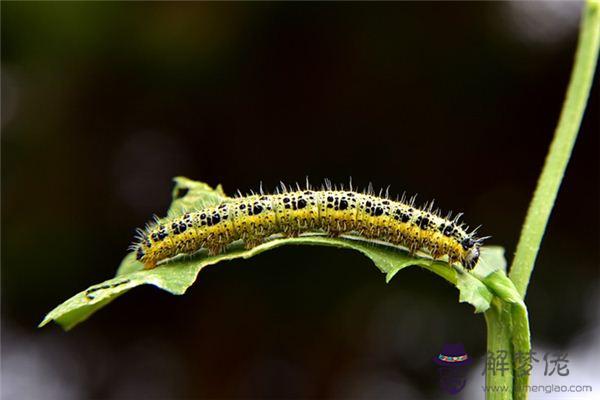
x,y
139,253
472,248
472,257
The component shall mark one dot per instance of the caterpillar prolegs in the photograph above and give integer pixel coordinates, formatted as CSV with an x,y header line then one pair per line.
x,y
256,217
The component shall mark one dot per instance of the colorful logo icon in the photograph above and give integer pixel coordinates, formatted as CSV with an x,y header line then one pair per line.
x,y
451,362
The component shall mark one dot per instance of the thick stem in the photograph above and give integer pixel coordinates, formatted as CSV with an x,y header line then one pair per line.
x,y
521,342
510,311
560,149
499,359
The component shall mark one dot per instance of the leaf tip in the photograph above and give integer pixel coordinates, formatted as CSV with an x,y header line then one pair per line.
x,y
390,275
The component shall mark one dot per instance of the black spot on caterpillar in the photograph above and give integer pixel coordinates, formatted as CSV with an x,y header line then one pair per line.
x,y
254,218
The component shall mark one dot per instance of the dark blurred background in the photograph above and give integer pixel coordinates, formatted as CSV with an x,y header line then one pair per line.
x,y
103,103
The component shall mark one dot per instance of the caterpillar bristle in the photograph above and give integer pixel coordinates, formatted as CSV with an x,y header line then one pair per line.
x,y
412,200
457,217
402,198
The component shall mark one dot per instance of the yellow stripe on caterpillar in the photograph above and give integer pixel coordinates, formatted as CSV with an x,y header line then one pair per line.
x,y
254,218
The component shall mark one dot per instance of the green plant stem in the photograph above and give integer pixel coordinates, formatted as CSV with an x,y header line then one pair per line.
x,y
521,344
560,149
508,333
499,383
508,324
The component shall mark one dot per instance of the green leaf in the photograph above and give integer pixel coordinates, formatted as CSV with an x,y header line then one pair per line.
x,y
503,287
492,259
177,275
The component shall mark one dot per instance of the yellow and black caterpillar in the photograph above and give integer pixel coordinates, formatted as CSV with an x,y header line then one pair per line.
x,y
290,212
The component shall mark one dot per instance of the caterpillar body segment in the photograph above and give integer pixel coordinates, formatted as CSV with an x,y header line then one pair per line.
x,y
254,218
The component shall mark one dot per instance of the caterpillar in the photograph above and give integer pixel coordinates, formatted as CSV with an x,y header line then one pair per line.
x,y
292,212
